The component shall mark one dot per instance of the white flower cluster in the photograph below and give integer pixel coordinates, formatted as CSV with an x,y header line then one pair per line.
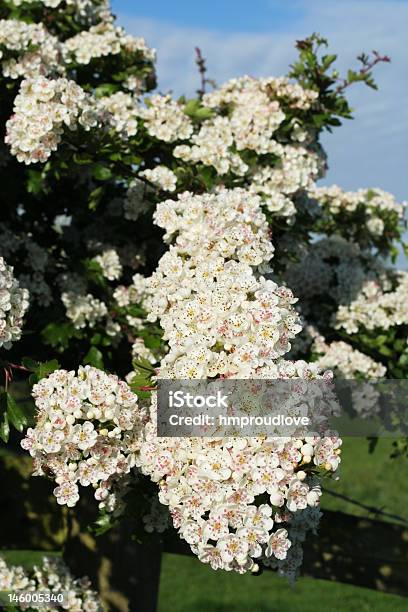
x,y
88,432
213,486
259,92
247,113
165,119
376,306
374,202
265,182
217,316
13,578
346,360
38,51
35,259
42,109
53,578
301,523
296,169
212,145
135,203
256,109
83,310
140,350
366,400
92,10
220,319
121,112
255,115
86,310
29,50
132,294
161,177
110,264
13,305
101,40
229,223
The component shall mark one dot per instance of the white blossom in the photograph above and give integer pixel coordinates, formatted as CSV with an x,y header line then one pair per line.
x,y
96,426
13,305
51,578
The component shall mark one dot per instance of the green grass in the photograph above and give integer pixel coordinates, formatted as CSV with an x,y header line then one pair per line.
x,y
374,479
26,558
189,586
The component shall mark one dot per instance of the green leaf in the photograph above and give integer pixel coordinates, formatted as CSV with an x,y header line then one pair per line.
x,y
203,113
132,160
327,61
5,429
384,350
30,364
95,198
106,89
96,339
195,110
15,414
82,158
45,368
40,369
94,358
102,524
144,365
58,335
403,360
207,176
4,424
191,107
142,378
94,272
35,182
101,172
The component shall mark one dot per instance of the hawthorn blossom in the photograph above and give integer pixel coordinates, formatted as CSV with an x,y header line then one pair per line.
x,y
51,578
88,431
13,306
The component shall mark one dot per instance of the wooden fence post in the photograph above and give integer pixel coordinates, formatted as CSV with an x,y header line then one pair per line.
x,y
125,572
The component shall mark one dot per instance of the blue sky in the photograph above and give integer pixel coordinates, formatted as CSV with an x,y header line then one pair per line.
x,y
256,37
221,15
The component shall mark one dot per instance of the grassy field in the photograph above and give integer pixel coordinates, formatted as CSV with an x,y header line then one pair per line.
x,y
188,586
376,480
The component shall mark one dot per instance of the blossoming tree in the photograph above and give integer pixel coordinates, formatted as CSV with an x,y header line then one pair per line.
x,y
147,237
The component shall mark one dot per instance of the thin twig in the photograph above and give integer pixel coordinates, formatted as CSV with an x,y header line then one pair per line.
x,y
200,61
15,366
371,509
367,65
202,69
8,377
